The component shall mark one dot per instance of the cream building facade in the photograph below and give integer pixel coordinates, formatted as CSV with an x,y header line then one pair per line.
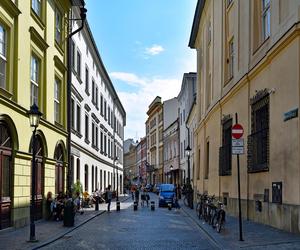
x,y
154,137
32,70
248,63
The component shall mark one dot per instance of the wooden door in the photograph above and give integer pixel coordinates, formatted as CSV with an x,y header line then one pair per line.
x,y
5,188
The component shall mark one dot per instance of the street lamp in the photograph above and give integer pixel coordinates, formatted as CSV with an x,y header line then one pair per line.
x,y
189,187
34,119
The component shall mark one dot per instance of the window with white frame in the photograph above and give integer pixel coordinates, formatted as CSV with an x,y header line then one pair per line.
x,y
58,26
266,18
72,113
57,100
97,137
73,55
93,133
78,119
96,97
86,127
108,147
34,77
3,59
86,80
36,6
78,63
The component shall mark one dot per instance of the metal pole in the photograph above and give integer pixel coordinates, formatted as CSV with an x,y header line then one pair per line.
x,y
32,207
239,189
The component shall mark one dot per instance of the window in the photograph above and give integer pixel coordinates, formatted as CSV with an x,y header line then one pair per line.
x,y
105,143
78,63
109,147
97,137
86,177
96,97
3,59
57,100
93,178
105,111
108,114
78,125
225,150
231,58
86,127
101,187
72,114
101,104
93,133
266,16
101,141
206,173
93,91
78,169
258,141
59,169
36,6
35,78
86,80
58,26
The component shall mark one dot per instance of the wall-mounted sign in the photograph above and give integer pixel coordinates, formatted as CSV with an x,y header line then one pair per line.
x,y
290,114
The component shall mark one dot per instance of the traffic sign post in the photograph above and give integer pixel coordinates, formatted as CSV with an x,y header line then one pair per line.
x,y
237,149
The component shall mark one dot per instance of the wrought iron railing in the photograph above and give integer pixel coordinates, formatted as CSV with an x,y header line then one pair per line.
x,y
258,151
225,160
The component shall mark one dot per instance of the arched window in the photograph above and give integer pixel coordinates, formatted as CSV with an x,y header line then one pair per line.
x,y
39,177
59,169
5,176
96,178
78,169
86,177
93,178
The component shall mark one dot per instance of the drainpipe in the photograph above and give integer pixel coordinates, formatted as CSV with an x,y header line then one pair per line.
x,y
69,87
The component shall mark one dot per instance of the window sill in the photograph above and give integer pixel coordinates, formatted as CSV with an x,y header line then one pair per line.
x,y
38,19
5,93
59,48
78,134
95,147
87,93
58,124
78,78
87,141
259,168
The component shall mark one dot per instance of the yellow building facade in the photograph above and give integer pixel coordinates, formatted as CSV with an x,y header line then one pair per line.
x,y
33,53
248,64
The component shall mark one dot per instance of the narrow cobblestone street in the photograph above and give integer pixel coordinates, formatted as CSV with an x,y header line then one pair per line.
x,y
142,229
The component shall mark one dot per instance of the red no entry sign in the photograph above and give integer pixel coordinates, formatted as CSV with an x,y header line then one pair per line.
x,y
237,131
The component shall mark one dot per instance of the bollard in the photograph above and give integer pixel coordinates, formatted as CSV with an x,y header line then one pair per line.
x,y
118,206
152,205
97,204
170,206
135,206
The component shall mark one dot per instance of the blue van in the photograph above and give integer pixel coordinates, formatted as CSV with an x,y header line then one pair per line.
x,y
166,194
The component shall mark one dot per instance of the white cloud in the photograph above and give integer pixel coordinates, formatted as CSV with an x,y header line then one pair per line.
x,y
129,78
136,103
154,50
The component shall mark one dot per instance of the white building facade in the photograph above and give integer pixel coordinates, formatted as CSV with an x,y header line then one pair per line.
x,y
185,98
98,118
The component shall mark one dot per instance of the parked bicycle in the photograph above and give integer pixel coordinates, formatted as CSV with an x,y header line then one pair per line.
x,y
208,210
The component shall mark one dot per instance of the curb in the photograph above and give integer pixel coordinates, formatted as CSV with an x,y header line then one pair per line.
x,y
55,238
206,233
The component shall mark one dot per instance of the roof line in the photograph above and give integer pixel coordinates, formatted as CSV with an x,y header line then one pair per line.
x,y
196,22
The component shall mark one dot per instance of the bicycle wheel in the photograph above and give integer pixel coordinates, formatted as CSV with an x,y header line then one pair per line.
x,y
219,224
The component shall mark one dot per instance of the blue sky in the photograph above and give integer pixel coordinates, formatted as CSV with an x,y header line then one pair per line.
x,y
144,47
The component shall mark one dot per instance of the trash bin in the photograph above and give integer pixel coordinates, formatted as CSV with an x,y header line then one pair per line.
x,y
135,206
118,206
69,214
152,205
97,203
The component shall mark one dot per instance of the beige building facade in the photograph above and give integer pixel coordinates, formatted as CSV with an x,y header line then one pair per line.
x,y
154,137
248,64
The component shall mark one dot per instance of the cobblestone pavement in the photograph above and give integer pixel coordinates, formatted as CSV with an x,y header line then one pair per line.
x,y
142,229
16,239
255,235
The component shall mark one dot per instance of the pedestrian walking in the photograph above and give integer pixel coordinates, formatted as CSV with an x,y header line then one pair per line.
x,y
137,195
109,197
132,192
